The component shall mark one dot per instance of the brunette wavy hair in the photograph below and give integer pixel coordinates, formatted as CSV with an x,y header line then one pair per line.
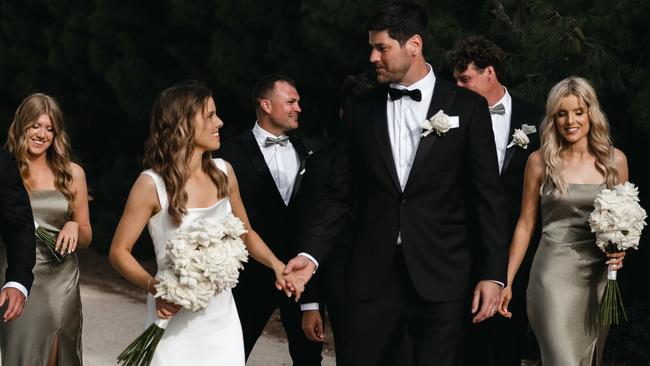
x,y
170,145
553,145
58,155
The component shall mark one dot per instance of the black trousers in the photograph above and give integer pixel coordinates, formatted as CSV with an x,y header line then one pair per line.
x,y
335,300
500,341
376,327
256,300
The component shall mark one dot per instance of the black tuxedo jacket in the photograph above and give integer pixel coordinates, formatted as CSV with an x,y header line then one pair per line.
x,y
16,223
431,214
514,164
278,224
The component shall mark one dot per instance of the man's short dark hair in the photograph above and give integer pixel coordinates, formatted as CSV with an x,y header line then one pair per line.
x,y
265,84
402,20
479,50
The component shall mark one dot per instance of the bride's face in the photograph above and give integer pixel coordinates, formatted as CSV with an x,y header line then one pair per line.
x,y
206,127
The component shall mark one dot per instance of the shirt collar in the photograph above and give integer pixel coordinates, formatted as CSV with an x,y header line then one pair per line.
x,y
425,84
506,100
261,134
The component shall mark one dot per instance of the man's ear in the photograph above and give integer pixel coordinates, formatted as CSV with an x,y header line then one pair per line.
x,y
490,73
266,106
414,45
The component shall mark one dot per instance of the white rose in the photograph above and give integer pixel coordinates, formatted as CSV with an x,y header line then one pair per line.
x,y
520,139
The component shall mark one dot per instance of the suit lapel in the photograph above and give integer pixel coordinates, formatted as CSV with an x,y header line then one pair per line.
x,y
443,94
380,126
303,154
515,122
252,149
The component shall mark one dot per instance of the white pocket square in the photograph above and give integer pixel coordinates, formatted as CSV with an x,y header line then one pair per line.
x,y
528,129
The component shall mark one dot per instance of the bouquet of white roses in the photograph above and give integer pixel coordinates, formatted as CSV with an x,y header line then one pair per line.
x,y
617,220
203,259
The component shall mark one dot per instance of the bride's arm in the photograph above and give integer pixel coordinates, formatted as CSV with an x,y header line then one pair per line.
x,y
140,206
254,244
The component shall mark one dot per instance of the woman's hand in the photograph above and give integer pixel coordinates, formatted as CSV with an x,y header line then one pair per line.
x,y
615,260
166,309
506,296
66,242
290,284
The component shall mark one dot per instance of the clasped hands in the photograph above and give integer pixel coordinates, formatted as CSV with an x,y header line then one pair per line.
x,y
293,277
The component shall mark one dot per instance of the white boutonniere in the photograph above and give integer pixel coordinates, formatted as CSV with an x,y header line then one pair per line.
x,y
440,123
519,138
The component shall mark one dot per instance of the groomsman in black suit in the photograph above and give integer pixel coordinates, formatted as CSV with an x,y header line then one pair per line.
x,y
325,289
17,241
479,66
273,172
409,179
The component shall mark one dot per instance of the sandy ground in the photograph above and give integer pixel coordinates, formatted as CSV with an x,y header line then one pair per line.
x,y
113,311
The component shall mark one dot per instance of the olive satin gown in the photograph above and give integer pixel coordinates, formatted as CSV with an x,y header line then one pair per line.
x,y
53,307
567,280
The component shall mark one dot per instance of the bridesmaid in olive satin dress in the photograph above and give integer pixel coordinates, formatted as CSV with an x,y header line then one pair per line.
x,y
567,279
49,330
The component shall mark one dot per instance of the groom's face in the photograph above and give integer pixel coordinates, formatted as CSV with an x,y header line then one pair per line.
x,y
391,60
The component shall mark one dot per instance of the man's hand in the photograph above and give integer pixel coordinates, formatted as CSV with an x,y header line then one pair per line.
x,y
15,303
488,295
302,268
312,325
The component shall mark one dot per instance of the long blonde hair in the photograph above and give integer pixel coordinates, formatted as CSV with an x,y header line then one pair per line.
x,y
58,154
553,145
170,145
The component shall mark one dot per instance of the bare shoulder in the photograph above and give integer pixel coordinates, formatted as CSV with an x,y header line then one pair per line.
x,y
144,190
620,159
535,168
77,171
535,160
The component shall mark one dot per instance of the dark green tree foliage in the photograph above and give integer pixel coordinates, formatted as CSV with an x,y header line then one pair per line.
x,y
106,60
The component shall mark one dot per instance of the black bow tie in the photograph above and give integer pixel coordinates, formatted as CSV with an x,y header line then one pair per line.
x,y
395,94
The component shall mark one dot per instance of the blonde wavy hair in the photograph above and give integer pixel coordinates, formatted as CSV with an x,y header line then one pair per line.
x,y
170,145
58,154
553,145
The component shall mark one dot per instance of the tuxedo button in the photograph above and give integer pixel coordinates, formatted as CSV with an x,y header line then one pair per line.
x,y
403,200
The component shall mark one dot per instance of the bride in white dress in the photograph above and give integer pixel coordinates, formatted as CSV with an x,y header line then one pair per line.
x,y
184,184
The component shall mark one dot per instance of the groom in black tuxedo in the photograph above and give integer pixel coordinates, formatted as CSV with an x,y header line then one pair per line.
x,y
17,252
479,66
275,182
410,183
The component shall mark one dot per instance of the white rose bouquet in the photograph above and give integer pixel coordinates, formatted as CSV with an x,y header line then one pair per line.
x,y
617,220
203,259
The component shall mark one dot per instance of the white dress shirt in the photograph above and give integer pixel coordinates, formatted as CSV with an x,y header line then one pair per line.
x,y
283,162
501,127
16,285
404,117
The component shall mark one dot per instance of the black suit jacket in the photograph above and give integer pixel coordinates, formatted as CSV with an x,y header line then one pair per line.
x,y
430,214
16,223
514,164
277,224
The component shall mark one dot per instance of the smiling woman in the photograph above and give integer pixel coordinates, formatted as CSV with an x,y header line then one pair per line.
x,y
49,331
576,161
